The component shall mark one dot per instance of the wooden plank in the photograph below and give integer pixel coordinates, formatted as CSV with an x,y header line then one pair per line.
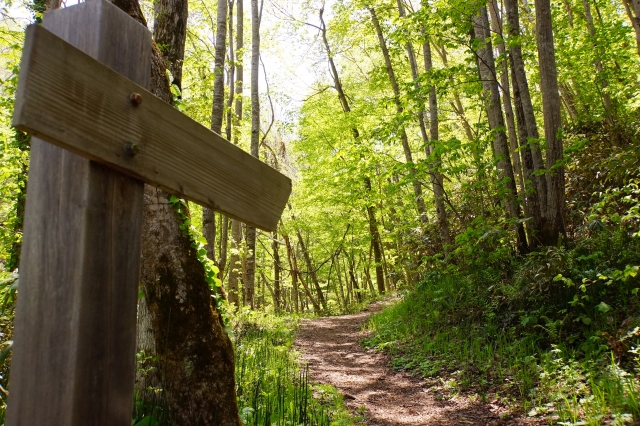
x,y
74,353
69,99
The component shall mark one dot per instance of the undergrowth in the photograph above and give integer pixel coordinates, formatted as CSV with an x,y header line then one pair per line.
x,y
273,388
553,335
272,385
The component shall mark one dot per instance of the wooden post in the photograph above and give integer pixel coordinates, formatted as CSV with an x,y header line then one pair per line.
x,y
74,353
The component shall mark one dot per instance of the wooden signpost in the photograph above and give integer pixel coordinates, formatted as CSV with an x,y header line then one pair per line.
x,y
98,136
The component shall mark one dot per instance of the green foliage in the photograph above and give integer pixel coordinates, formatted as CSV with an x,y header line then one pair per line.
x,y
8,290
560,330
198,243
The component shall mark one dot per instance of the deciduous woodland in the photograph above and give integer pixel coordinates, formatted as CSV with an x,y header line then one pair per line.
x,y
475,163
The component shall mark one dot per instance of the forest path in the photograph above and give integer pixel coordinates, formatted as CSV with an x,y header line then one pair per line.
x,y
331,346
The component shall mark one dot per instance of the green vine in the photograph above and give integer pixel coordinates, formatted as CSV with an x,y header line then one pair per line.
x,y
211,271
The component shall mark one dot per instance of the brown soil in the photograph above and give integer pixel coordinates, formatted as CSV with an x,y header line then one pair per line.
x,y
373,389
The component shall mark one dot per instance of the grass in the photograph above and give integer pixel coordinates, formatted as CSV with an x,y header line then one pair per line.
x,y
452,332
272,386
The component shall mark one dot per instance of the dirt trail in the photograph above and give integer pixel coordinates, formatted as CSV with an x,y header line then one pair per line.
x,y
331,347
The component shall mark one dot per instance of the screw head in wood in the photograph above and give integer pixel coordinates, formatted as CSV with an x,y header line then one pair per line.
x,y
131,148
136,99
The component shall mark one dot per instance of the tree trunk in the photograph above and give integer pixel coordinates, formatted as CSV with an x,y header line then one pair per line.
x,y
276,273
236,227
312,272
217,114
437,179
224,231
535,196
250,275
224,242
235,264
195,355
436,176
295,270
497,25
604,84
553,212
170,36
417,189
496,122
634,17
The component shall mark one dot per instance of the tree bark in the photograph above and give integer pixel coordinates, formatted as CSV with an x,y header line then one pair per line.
x,y
436,176
170,36
486,64
633,16
437,179
236,227
496,25
276,273
217,114
296,271
604,84
249,280
417,189
553,212
312,272
535,183
195,355
235,264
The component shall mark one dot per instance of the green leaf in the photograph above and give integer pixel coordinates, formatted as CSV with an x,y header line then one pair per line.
x,y
147,421
603,307
586,320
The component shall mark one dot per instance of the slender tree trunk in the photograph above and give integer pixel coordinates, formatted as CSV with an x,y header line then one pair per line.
x,y
497,25
436,176
195,355
224,231
249,280
236,227
217,114
437,179
569,101
373,225
294,287
496,123
417,189
602,80
456,105
535,195
235,264
296,271
554,210
632,7
276,273
312,272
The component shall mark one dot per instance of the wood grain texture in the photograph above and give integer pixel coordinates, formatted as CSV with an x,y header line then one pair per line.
x,y
74,352
69,99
